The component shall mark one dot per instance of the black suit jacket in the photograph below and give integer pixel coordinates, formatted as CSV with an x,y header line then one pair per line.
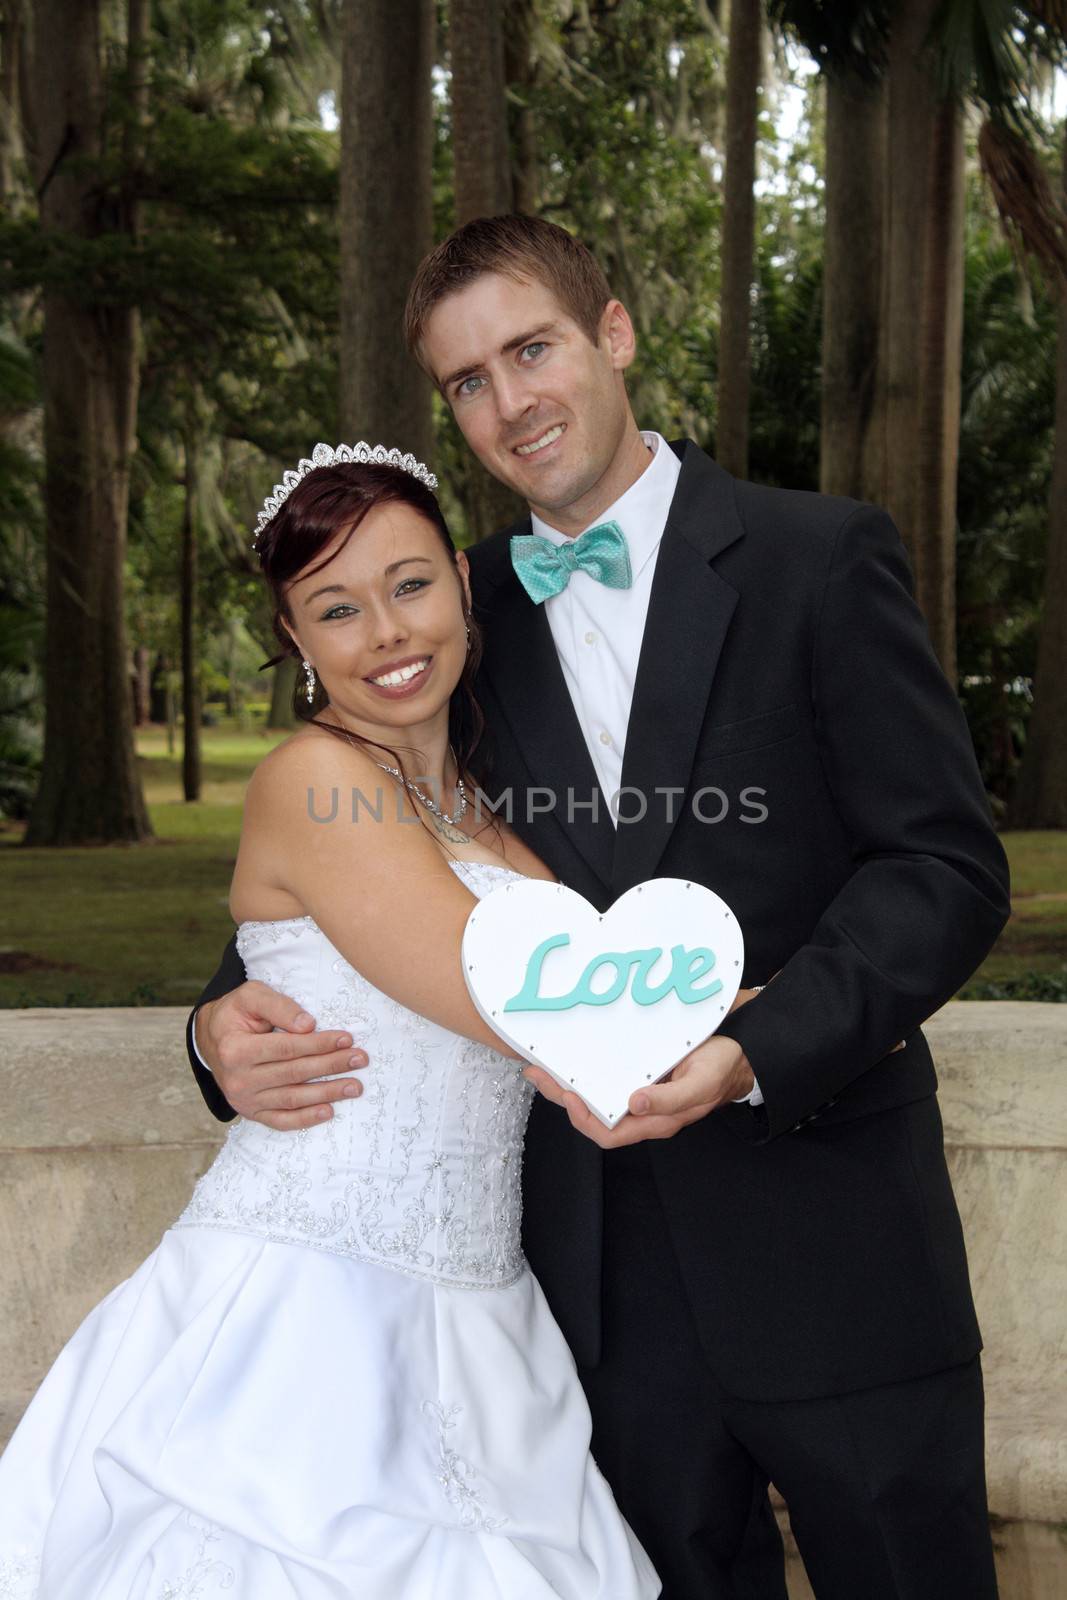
x,y
814,768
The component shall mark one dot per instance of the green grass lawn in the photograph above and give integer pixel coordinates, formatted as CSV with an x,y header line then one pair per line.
x,y
139,926
1031,953
146,925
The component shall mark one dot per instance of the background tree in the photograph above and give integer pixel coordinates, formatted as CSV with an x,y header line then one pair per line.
x,y
240,281
520,70
482,184
906,306
628,105
386,215
191,707
480,153
895,439
90,791
13,34
738,225
852,453
848,43
1040,798
613,113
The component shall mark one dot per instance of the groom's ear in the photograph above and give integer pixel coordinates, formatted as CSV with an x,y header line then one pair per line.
x,y
617,336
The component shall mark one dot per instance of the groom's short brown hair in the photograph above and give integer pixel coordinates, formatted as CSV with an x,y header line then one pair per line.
x,y
525,248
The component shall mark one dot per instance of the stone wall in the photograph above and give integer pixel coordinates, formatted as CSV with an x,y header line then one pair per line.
x,y
104,1134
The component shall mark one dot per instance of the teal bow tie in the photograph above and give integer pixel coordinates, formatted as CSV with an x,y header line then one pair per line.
x,y
544,568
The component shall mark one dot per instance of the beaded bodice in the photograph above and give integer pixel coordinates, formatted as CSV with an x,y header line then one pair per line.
x,y
422,1171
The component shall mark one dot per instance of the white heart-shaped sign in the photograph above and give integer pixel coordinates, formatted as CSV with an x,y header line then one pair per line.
x,y
606,1004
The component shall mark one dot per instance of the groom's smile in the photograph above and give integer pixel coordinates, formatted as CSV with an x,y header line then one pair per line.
x,y
542,442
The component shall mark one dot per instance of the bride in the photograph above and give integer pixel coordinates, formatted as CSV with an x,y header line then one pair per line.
x,y
440,1446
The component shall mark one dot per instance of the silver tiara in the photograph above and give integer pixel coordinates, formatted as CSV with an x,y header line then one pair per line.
x,y
326,455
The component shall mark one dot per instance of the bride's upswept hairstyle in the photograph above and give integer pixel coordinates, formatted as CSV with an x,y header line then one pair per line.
x,y
333,500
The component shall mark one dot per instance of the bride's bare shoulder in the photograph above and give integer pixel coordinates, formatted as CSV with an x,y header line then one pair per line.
x,y
309,756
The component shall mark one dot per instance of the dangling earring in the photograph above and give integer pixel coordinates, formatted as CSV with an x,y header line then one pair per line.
x,y
310,686
468,628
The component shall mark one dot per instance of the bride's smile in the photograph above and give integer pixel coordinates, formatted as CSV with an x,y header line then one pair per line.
x,y
382,622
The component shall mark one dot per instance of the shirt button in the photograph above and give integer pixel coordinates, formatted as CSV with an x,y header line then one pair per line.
x,y
605,738
590,638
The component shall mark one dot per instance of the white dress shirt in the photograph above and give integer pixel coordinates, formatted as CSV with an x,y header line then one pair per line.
x,y
598,631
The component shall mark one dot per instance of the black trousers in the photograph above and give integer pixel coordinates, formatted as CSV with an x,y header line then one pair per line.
x,y
885,1487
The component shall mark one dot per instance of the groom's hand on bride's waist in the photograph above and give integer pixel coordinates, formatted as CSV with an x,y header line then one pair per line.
x,y
712,1075
265,1074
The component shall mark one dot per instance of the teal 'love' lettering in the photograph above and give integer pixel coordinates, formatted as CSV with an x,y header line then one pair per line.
x,y
686,970
528,998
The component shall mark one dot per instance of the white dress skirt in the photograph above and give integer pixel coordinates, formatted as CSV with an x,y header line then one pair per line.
x,y
336,1377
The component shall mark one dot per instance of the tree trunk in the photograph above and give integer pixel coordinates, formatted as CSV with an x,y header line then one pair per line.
x,y
852,286
283,685
233,698
190,620
483,186
386,226
738,233
157,695
90,790
141,684
1040,798
910,135
940,382
479,109
519,70
12,39
172,712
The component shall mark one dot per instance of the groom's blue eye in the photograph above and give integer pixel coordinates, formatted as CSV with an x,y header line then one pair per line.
x,y
464,390
538,347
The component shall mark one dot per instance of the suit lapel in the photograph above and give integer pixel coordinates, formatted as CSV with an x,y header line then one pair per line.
x,y
523,669
689,613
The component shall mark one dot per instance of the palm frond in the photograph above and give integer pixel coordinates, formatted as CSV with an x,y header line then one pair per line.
x,y
848,36
1029,210
1050,14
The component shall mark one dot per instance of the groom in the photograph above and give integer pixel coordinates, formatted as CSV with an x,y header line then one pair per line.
x,y
761,1272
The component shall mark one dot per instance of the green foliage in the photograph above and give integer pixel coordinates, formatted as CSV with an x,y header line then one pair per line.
x,y
20,737
627,103
786,400
1006,436
21,580
988,48
838,34
235,271
1028,986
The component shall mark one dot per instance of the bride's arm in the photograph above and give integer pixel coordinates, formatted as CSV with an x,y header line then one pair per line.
x,y
380,890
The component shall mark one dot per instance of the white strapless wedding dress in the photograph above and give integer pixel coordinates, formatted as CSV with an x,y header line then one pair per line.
x,y
336,1378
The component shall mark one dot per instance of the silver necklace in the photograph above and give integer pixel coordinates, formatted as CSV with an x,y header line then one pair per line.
x,y
427,801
